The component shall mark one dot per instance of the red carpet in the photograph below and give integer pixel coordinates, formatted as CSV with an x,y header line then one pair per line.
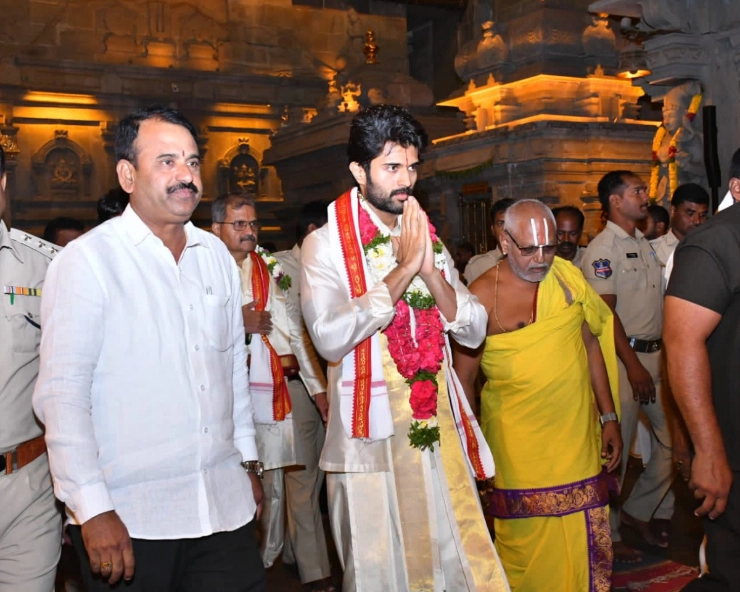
x,y
658,576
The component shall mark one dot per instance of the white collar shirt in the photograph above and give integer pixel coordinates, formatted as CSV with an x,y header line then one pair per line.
x,y
143,384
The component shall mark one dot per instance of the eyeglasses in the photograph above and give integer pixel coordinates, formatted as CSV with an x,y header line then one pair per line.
x,y
532,249
240,225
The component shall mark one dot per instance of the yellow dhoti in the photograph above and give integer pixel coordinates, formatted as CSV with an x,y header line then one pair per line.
x,y
538,415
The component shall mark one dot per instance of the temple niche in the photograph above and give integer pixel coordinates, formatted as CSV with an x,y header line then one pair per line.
x,y
240,171
61,170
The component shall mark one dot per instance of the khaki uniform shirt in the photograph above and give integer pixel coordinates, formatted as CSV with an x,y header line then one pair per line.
x,y
616,263
480,264
23,263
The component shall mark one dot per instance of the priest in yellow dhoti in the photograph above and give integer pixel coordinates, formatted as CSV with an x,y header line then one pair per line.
x,y
547,410
402,451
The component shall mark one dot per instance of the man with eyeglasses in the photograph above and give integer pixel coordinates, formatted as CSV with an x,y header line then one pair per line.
x,y
548,354
280,363
622,267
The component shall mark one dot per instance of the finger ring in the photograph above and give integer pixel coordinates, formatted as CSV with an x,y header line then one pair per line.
x,y
106,566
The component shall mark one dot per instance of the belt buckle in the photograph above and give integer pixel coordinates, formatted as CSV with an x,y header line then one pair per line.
x,y
653,346
4,467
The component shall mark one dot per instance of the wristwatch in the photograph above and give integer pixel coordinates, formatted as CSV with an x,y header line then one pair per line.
x,y
254,466
611,416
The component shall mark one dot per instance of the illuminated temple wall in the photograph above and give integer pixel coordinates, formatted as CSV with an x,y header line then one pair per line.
x,y
240,69
272,86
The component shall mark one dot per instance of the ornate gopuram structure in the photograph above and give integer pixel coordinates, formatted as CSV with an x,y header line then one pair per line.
x,y
690,47
546,116
239,69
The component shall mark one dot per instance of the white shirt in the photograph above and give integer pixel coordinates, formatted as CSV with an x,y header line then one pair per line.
x,y
143,384
664,246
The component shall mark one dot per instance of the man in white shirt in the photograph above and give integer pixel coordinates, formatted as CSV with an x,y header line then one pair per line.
x,y
283,373
143,384
689,208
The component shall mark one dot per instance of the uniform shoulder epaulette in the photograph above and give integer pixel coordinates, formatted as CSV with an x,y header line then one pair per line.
x,y
39,245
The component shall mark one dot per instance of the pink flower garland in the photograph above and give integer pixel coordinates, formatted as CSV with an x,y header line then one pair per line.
x,y
418,360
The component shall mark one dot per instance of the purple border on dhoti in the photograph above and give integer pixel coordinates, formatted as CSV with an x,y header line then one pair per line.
x,y
600,553
560,500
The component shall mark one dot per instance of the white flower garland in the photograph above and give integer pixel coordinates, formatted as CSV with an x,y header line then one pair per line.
x,y
282,279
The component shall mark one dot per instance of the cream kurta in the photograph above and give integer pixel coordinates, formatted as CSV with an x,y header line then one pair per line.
x,y
276,442
403,520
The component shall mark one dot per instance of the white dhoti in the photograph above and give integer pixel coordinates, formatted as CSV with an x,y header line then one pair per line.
x,y
418,527
276,448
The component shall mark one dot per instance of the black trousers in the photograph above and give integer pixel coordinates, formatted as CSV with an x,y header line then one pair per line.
x,y
723,547
221,562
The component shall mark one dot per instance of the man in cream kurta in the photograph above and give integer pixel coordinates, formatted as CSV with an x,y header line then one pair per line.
x,y
402,518
272,322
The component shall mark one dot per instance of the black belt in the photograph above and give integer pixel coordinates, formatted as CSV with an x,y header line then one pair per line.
x,y
292,378
645,346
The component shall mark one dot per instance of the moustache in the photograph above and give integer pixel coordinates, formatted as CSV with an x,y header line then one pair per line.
x,y
567,245
180,186
249,237
402,191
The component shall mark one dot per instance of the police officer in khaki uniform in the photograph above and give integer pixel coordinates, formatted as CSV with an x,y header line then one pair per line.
x,y
30,525
622,267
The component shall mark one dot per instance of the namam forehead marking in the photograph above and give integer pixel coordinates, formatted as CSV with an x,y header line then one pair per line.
x,y
533,223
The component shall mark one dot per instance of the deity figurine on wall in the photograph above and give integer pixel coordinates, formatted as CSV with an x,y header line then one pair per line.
x,y
678,146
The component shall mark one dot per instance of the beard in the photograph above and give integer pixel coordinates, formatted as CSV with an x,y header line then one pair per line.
x,y
377,198
533,272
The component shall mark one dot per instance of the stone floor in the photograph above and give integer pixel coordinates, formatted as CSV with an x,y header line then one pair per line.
x,y
686,534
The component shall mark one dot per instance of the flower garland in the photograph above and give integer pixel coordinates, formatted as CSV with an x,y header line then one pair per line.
x,y
418,357
660,135
276,271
